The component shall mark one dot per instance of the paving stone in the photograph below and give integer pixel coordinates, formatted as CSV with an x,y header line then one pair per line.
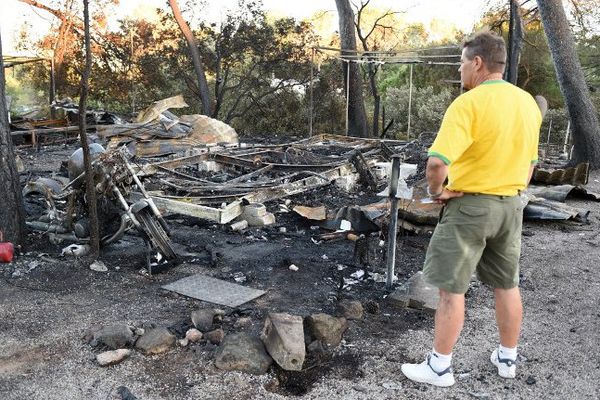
x,y
156,341
283,336
242,352
416,293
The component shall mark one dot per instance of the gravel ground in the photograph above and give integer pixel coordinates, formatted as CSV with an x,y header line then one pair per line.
x,y
44,314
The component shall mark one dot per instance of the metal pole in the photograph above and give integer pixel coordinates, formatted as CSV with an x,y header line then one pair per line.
x,y
52,96
310,107
409,101
391,251
548,138
347,95
567,134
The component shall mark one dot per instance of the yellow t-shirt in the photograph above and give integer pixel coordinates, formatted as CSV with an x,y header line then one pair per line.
x,y
489,138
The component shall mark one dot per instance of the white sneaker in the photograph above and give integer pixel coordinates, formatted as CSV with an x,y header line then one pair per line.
x,y
424,373
507,368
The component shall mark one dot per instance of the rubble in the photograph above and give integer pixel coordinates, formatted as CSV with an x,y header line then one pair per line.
x,y
155,341
112,357
416,293
325,328
245,353
283,336
205,318
350,309
113,336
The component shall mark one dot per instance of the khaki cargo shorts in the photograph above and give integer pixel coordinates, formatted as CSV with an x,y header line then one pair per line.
x,y
480,233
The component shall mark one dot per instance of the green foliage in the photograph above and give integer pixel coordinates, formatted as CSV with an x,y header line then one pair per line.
x,y
427,109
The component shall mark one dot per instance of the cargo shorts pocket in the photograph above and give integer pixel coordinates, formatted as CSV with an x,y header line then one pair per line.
x,y
473,211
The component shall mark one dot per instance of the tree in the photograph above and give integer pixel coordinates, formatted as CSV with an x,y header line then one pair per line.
x,y
357,118
87,162
583,115
11,204
372,68
515,43
196,58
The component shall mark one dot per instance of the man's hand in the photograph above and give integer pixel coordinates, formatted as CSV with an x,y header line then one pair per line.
x,y
447,195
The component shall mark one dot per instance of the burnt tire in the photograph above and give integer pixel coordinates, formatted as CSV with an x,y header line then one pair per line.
x,y
155,233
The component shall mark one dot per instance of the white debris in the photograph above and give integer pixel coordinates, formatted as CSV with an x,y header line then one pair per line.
x,y
77,250
345,225
324,257
293,268
358,274
98,266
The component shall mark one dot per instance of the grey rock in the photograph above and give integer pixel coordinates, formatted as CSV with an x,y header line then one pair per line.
x,y
113,336
123,393
112,357
326,328
242,352
156,341
193,335
350,309
283,336
372,307
216,336
98,266
205,318
416,293
316,347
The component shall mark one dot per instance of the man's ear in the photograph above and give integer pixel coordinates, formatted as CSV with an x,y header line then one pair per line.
x,y
478,62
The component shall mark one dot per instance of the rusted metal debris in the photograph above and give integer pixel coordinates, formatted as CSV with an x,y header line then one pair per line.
x,y
577,175
215,184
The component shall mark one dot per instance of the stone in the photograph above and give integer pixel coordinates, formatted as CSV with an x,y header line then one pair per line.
x,y
316,347
98,266
204,318
350,309
193,335
256,215
123,393
283,336
112,357
242,352
371,306
416,293
242,322
113,336
216,336
326,328
156,341
239,225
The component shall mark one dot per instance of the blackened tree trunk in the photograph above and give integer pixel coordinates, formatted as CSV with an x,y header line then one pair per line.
x,y
515,43
196,58
357,118
11,205
89,174
584,117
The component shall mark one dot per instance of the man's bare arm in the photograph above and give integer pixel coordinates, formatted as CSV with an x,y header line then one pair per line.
x,y
436,173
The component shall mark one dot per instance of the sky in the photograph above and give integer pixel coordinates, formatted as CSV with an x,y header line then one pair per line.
x,y
14,13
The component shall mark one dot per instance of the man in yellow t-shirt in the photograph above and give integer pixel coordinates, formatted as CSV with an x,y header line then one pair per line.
x,y
487,148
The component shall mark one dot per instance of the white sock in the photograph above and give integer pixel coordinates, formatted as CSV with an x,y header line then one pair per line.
x,y
439,361
507,352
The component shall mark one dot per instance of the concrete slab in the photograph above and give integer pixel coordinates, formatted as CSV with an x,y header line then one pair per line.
x,y
416,293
